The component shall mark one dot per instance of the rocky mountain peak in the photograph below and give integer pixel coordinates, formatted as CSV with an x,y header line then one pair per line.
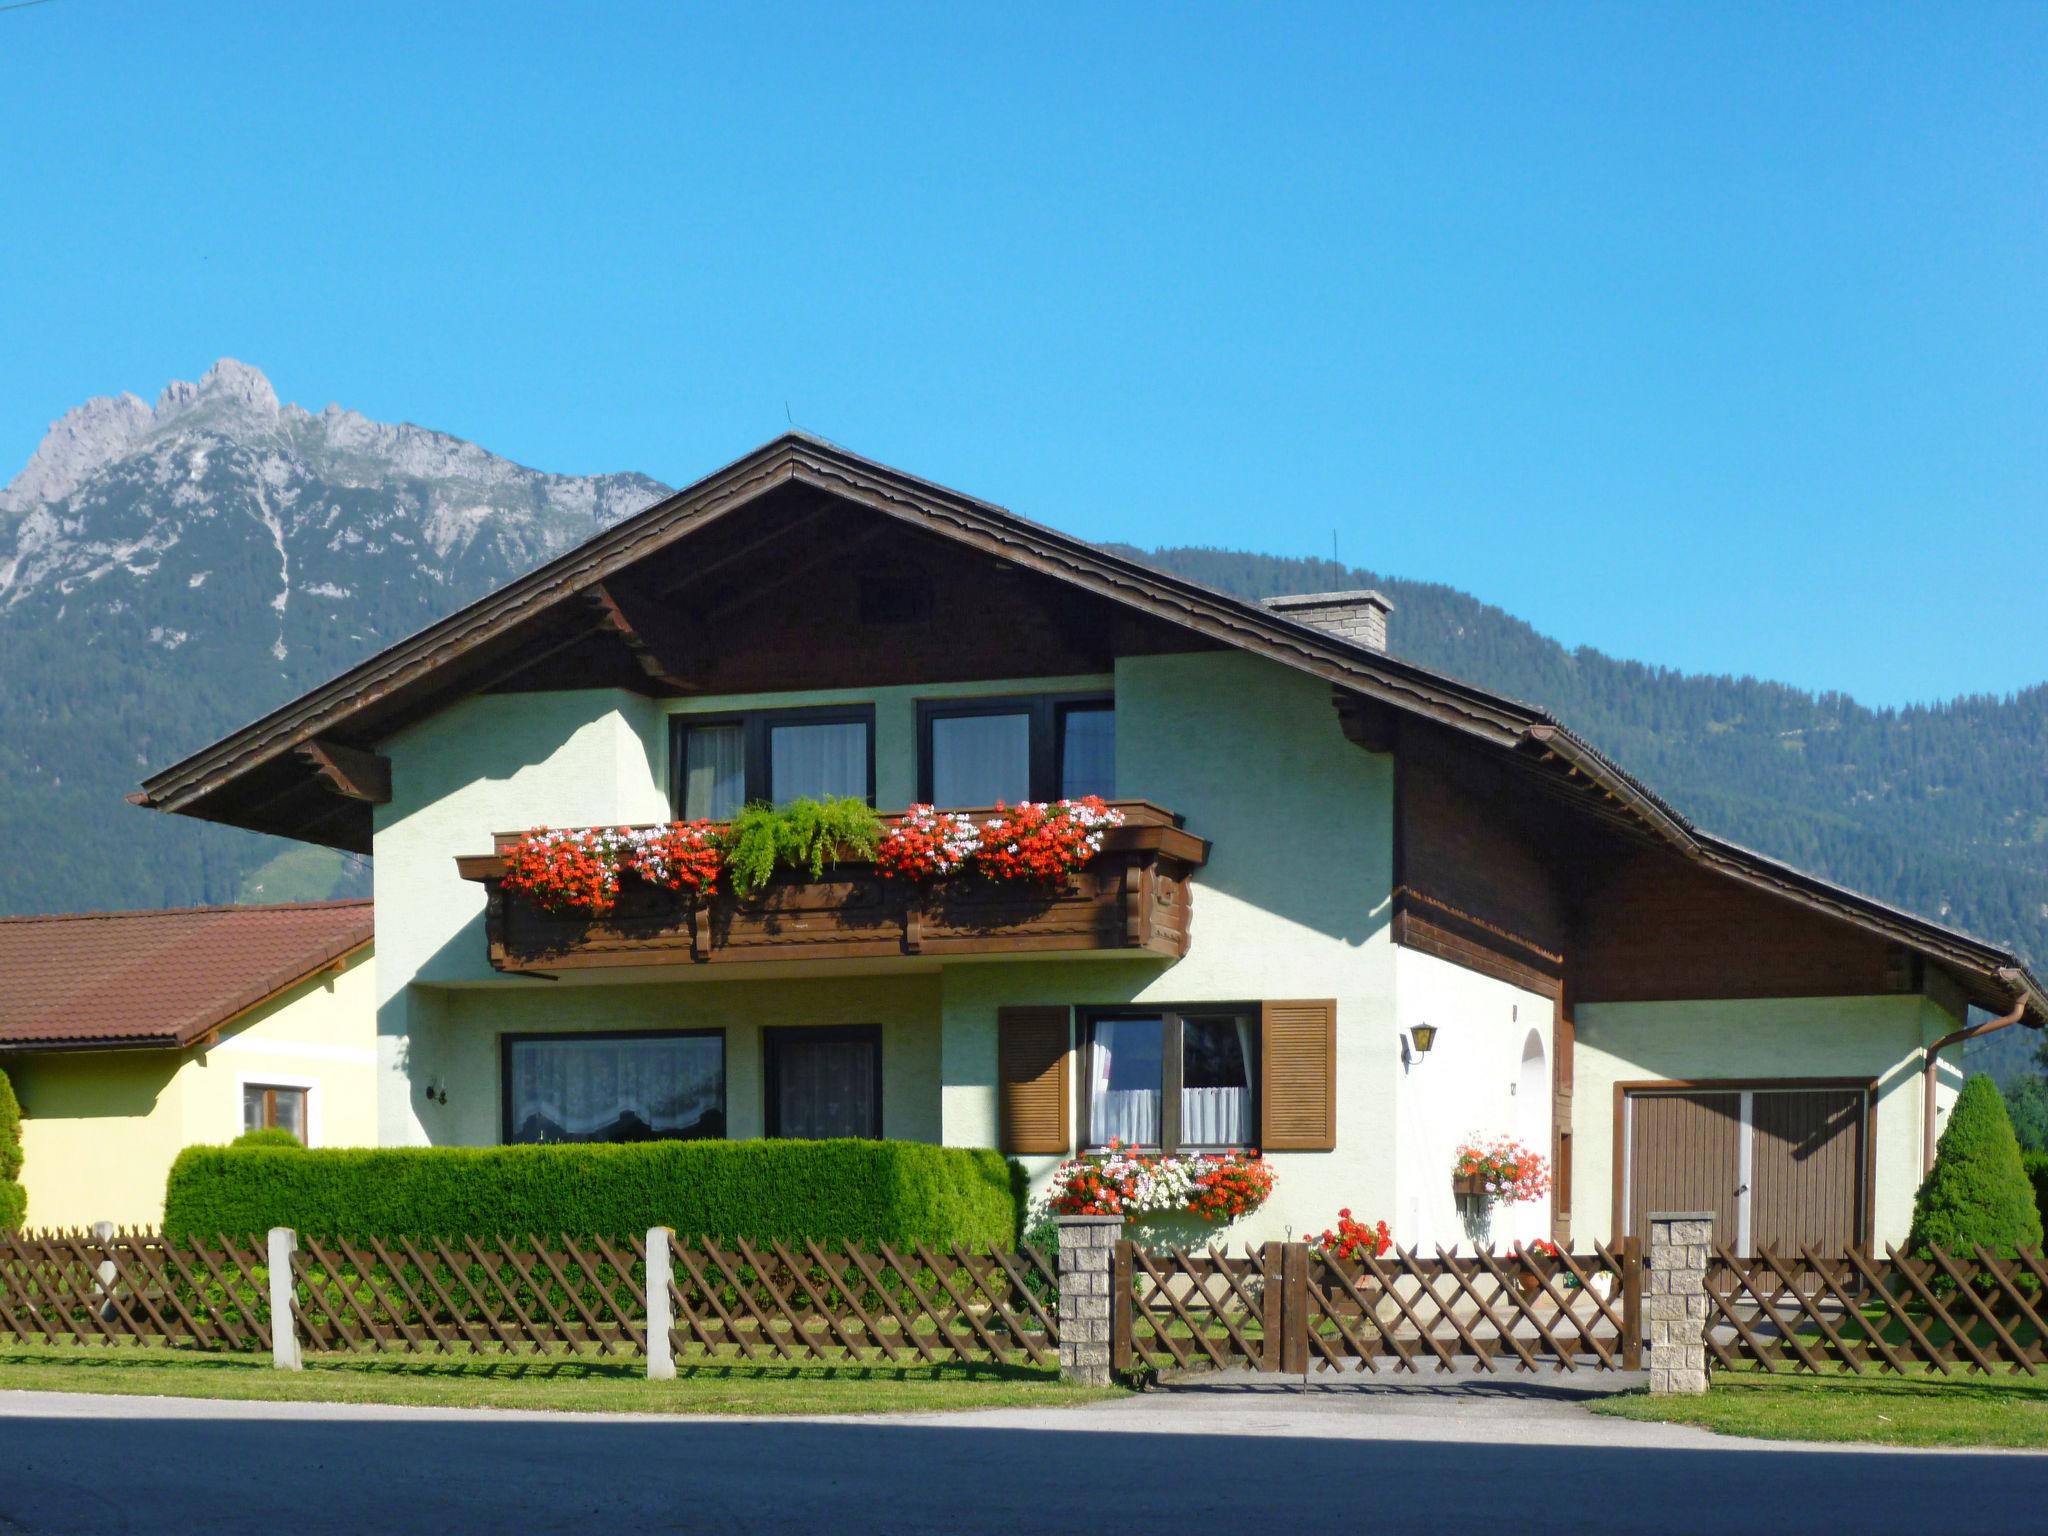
x,y
230,385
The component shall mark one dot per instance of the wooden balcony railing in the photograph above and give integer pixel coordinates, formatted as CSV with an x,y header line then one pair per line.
x,y
1134,895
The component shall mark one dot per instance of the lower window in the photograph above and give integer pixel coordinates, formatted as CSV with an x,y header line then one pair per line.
x,y
824,1082
1172,1078
266,1106
647,1086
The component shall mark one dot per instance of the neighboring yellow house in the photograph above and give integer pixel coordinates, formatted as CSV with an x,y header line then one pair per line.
x,y
130,1035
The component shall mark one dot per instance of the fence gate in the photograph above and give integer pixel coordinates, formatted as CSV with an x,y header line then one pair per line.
x,y
1282,1307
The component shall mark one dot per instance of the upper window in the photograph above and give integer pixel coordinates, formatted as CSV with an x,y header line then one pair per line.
x,y
722,762
1172,1079
651,1086
986,751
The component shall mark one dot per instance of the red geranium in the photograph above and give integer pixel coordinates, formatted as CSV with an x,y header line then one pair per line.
x,y
1036,840
682,856
1352,1240
573,872
926,843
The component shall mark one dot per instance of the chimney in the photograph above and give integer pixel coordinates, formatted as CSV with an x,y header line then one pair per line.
x,y
1359,617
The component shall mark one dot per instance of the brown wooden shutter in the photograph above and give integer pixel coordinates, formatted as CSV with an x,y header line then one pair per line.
x,y
1298,1076
1032,1047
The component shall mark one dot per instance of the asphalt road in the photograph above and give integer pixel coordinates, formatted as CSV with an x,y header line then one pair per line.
x,y
1442,1459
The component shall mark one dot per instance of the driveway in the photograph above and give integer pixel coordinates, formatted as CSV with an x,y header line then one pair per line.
x,y
1442,1457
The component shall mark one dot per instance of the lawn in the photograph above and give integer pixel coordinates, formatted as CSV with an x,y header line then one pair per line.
x,y
1890,1410
560,1382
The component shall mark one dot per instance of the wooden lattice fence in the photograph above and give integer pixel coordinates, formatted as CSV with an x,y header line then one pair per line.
x,y
735,1300
1857,1312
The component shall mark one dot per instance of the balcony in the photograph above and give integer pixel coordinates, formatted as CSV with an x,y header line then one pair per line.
x,y
1133,896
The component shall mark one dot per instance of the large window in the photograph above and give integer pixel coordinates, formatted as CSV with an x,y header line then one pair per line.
x,y
722,762
824,1082
984,751
1172,1079
650,1086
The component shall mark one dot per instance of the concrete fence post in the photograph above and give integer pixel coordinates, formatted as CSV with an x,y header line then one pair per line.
x,y
661,1268
105,1273
284,1317
1675,1308
1087,1247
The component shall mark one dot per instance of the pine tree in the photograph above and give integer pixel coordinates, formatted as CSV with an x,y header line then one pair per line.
x,y
1978,1190
13,1198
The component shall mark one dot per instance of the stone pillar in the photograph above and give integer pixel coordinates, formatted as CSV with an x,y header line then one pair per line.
x,y
1087,1248
284,1317
661,1265
1675,1304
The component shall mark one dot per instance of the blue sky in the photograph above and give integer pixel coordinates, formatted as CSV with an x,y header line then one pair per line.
x,y
1716,338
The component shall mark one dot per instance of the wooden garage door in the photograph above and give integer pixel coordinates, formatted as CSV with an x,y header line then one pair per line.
x,y
1684,1155
1780,1167
1807,1173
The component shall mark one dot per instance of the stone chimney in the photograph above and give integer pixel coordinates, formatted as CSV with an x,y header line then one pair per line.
x,y
1360,617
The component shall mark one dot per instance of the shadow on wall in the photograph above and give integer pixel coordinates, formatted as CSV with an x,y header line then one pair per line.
x,y
95,1085
411,1473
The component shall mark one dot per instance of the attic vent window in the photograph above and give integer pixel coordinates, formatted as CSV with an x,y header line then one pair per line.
x,y
895,598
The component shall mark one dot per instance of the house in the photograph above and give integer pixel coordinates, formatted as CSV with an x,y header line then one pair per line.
x,y
1331,860
129,1035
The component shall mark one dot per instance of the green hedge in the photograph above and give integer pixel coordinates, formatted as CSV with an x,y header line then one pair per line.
x,y
875,1191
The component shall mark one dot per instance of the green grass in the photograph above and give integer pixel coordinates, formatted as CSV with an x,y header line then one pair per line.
x,y
563,1383
2009,1411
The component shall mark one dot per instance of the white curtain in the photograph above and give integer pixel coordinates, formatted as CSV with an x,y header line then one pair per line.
x,y
981,759
1124,1082
586,1090
714,772
821,761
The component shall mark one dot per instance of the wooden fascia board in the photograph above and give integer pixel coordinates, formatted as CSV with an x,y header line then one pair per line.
x,y
976,524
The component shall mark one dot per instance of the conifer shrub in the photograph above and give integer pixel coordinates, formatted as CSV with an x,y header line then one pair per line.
x,y
13,1197
893,1192
1978,1190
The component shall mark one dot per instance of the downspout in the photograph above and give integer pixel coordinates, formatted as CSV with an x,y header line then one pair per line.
x,y
1928,1073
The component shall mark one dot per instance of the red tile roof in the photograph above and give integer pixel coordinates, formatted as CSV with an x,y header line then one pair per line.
x,y
161,978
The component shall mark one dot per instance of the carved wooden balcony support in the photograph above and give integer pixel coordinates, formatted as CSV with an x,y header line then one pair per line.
x,y
1134,895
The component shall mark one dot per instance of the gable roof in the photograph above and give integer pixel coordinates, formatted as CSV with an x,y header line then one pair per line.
x,y
418,674
162,978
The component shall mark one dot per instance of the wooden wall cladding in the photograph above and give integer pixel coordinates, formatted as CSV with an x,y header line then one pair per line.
x,y
1658,928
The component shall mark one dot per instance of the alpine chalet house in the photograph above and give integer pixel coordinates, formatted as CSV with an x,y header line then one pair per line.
x,y
1354,914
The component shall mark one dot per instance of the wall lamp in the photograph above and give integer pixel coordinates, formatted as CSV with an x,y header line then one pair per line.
x,y
1420,1038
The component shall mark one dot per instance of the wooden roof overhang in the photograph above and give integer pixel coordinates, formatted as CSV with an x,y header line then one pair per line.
x,y
308,770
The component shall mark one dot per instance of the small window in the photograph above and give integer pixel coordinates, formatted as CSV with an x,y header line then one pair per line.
x,y
266,1107
976,752
647,1086
824,1082
1172,1080
720,764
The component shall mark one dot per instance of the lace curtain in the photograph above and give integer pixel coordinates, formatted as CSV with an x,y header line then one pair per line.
x,y
611,1090
981,759
1124,1081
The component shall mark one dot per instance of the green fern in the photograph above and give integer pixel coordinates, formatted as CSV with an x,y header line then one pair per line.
x,y
805,835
